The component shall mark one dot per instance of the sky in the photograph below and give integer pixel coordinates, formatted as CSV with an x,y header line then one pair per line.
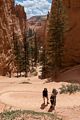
x,y
35,7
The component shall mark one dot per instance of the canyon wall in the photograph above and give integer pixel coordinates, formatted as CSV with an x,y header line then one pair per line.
x,y
72,35
12,22
38,23
72,32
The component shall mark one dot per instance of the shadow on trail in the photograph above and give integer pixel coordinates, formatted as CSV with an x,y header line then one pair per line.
x,y
51,109
43,106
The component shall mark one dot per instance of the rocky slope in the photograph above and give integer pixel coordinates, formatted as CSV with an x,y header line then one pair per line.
x,y
36,20
38,23
11,22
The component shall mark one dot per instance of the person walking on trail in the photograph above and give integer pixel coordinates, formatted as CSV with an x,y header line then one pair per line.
x,y
45,95
53,98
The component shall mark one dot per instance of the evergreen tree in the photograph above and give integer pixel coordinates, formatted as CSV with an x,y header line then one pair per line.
x,y
26,55
17,53
35,49
30,32
33,46
43,63
55,41
30,46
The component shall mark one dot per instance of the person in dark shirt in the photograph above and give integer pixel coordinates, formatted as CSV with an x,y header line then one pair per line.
x,y
53,98
45,95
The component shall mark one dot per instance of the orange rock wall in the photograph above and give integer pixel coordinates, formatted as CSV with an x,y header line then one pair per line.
x,y
72,35
10,23
20,13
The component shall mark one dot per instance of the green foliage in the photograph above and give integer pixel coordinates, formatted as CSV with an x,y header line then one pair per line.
x,y
34,72
55,41
30,32
70,88
18,53
43,61
21,54
33,46
26,55
21,115
9,115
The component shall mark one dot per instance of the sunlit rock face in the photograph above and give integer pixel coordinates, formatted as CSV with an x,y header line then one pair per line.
x,y
38,24
5,25
10,24
5,31
72,35
20,13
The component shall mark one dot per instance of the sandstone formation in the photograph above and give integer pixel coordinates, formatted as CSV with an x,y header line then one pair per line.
x,y
12,21
20,13
72,34
38,23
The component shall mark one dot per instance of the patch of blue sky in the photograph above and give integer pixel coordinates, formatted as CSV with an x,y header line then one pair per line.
x,y
35,7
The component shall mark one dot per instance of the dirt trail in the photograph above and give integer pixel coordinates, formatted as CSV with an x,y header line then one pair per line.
x,y
29,96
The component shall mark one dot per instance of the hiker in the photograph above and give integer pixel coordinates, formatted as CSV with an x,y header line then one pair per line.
x,y
45,95
53,98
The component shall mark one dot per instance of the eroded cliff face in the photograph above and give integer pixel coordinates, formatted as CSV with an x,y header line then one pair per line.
x,y
10,24
72,35
38,23
72,32
21,15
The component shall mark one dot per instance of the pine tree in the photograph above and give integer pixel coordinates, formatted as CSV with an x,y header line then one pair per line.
x,y
30,46
33,46
26,55
55,41
17,53
35,49
43,63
